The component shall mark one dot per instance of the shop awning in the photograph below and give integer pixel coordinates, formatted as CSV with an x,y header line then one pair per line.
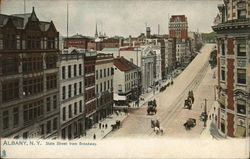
x,y
222,100
240,131
119,97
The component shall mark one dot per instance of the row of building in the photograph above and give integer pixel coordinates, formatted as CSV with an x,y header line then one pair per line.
x,y
58,89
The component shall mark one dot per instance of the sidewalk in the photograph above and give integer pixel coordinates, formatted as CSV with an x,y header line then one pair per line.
x,y
101,133
211,130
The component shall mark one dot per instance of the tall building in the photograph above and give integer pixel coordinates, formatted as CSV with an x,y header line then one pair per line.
x,y
29,93
178,27
233,44
104,85
72,120
89,89
178,30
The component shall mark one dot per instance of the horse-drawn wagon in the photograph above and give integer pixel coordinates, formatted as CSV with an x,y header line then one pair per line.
x,y
190,123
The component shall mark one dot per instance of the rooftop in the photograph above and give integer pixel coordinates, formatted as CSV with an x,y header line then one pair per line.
x,y
123,64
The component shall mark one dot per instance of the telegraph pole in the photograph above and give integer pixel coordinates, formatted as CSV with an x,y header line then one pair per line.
x,y
205,111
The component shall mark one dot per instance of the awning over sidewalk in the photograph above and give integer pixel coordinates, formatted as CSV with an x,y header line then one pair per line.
x,y
240,131
222,100
119,97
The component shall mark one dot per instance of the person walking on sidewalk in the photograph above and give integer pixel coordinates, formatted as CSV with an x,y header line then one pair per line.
x,y
106,125
100,125
94,136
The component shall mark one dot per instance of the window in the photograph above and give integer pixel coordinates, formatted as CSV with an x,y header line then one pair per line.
x,y
42,129
75,88
105,86
63,92
105,72
69,132
10,90
69,71
63,72
32,86
18,45
108,71
1,41
96,74
241,106
51,81
222,125
80,106
48,104
54,101
5,119
25,135
222,47
32,64
100,73
80,87
64,114
242,14
32,110
80,69
63,134
54,124
223,74
75,70
96,88
9,65
101,87
75,108
51,61
69,90
15,116
70,111
51,43
241,48
241,76
48,127
112,71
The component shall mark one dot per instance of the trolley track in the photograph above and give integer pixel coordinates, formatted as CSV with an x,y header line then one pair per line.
x,y
176,106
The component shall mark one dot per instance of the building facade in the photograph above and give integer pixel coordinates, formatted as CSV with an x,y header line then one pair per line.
x,y
29,88
72,120
77,41
126,81
104,85
233,44
89,89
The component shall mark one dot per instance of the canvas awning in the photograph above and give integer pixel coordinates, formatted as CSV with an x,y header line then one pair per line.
x,y
222,100
240,131
119,97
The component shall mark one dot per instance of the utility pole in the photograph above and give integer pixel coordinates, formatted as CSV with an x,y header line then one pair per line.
x,y
205,111
67,25
24,6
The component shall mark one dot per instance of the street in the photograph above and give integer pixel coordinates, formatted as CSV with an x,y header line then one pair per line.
x,y
198,77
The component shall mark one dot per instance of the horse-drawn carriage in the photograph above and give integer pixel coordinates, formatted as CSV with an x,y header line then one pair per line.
x,y
155,124
189,101
190,123
152,107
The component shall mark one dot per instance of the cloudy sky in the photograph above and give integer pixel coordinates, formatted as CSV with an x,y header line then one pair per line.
x,y
117,17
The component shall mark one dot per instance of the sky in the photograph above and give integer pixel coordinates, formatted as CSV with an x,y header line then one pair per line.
x,y
117,17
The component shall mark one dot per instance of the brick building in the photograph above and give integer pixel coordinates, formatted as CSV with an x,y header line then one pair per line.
x,y
77,41
29,90
104,84
99,44
178,30
89,89
233,43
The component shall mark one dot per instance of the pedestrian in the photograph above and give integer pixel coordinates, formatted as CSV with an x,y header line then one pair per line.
x,y
100,125
210,117
103,126
106,125
94,136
